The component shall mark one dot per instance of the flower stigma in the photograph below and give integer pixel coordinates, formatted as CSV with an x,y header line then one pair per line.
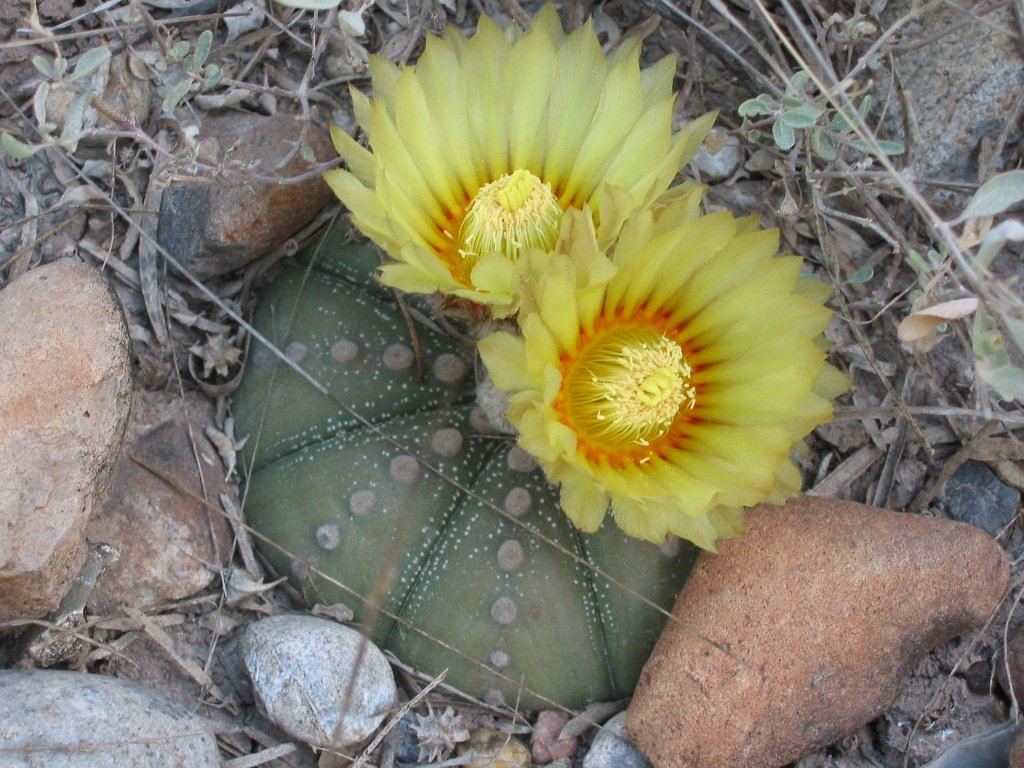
x,y
628,386
509,214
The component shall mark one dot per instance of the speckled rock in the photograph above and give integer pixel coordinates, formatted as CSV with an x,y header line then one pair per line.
x,y
975,495
488,748
959,86
817,613
546,747
612,747
301,669
75,720
64,403
212,228
167,540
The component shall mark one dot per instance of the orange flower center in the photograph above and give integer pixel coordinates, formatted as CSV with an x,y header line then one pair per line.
x,y
626,388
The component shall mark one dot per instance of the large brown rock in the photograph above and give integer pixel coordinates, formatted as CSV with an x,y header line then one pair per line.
x,y
214,227
817,613
169,542
64,398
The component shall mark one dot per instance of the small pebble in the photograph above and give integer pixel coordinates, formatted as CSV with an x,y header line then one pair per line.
x,y
546,747
722,164
978,677
492,749
975,495
612,748
301,668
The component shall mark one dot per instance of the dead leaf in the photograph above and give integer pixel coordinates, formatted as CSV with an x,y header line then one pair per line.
x,y
921,326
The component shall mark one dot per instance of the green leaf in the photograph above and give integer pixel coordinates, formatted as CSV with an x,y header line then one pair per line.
x,y
861,276
762,105
792,101
784,136
307,154
89,62
798,81
865,107
995,196
840,124
175,95
15,148
43,65
919,264
203,45
179,50
60,67
891,147
1016,328
211,76
75,119
801,117
1007,380
996,239
822,146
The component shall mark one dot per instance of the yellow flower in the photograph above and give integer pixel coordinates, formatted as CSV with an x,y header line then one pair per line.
x,y
478,149
672,384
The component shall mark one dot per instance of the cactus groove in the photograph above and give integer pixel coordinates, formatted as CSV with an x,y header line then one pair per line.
x,y
513,618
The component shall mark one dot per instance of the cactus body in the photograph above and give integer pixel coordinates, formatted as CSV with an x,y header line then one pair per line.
x,y
506,603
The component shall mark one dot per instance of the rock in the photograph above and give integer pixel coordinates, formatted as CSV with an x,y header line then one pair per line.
x,y
63,409
978,677
546,746
722,164
1017,751
1011,654
489,748
166,538
212,228
959,87
994,749
975,495
75,720
612,747
301,668
816,614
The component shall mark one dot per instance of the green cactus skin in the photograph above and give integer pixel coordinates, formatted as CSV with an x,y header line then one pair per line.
x,y
524,622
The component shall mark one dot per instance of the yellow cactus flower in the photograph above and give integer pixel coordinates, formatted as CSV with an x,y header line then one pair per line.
x,y
672,384
477,150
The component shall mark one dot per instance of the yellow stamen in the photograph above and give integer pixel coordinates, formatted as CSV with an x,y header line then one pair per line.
x,y
628,386
509,214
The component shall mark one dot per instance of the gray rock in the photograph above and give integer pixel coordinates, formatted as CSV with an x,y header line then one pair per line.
x,y
612,749
960,84
63,409
301,668
975,495
76,720
723,163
